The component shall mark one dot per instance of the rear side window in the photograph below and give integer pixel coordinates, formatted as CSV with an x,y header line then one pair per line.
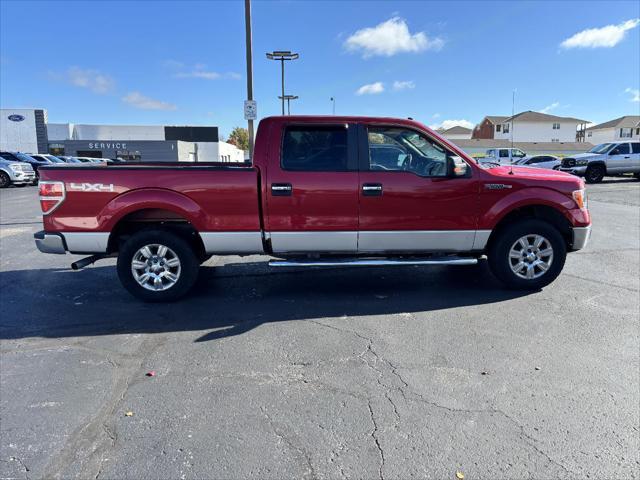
x,y
315,148
636,147
504,153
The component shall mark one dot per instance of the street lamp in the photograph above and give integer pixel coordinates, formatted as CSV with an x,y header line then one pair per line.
x,y
282,56
288,98
333,101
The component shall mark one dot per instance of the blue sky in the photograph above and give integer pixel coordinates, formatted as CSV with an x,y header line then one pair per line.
x,y
182,63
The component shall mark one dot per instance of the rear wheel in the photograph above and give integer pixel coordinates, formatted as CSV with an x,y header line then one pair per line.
x,y
528,254
5,181
157,266
594,173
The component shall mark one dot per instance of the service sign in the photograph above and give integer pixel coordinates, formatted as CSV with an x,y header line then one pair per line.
x,y
250,110
16,118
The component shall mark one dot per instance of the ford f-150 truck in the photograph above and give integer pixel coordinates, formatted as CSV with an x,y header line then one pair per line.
x,y
321,191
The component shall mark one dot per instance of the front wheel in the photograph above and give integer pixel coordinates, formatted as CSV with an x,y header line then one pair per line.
x,y
527,255
5,180
157,266
594,173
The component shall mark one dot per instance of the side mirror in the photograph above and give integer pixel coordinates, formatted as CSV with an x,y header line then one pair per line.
x,y
457,167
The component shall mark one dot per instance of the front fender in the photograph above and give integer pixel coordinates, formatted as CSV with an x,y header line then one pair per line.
x,y
528,197
145,198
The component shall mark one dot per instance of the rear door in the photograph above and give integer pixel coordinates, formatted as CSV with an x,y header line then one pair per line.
x,y
410,204
635,157
312,189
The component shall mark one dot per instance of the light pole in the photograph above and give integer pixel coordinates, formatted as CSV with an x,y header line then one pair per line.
x,y
247,25
333,101
288,98
282,55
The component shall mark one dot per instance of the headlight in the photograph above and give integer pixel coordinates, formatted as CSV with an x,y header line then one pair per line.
x,y
581,162
15,167
580,197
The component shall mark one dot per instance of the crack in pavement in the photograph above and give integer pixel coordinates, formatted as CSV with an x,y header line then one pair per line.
x,y
410,395
22,464
310,473
374,435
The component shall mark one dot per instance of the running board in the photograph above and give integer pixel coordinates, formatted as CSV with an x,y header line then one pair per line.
x,y
372,262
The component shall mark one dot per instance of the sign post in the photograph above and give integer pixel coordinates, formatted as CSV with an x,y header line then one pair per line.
x,y
250,109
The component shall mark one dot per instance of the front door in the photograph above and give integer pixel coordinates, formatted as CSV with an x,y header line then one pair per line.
x,y
312,189
408,203
619,160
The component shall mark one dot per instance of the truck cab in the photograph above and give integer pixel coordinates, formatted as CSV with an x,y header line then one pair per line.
x,y
504,156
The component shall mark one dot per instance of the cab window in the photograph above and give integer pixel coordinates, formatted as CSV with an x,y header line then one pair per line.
x,y
405,150
315,148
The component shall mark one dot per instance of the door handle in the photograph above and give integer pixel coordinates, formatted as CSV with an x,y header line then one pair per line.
x,y
626,157
372,189
281,189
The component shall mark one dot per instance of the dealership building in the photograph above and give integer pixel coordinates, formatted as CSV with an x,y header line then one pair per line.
x,y
27,130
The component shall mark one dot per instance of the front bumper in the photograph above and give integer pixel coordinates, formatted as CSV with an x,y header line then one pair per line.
x,y
23,177
50,242
579,171
581,237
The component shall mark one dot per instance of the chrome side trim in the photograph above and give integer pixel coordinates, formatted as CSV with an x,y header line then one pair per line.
x,y
581,237
336,242
416,241
86,242
481,239
232,242
372,262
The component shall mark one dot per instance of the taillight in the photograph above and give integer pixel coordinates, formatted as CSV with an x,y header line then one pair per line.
x,y
52,194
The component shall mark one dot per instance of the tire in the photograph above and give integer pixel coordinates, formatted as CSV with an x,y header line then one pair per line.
x,y
545,267
175,279
5,180
20,185
594,174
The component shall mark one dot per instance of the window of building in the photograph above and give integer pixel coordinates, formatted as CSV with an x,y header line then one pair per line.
x,y
556,126
505,128
315,149
637,131
498,127
626,132
589,134
404,150
56,149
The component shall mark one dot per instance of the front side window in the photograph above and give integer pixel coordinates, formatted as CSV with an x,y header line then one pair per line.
x,y
622,149
518,153
315,148
504,153
400,149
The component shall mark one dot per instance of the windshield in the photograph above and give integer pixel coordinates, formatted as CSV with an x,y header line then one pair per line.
x,y
602,148
26,158
54,159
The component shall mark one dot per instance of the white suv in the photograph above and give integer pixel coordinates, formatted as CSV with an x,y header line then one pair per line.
x,y
612,159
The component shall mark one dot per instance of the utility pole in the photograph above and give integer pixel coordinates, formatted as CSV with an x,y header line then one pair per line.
x,y
282,56
247,26
513,112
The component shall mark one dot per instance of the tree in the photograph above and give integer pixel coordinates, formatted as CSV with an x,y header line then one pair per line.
x,y
240,138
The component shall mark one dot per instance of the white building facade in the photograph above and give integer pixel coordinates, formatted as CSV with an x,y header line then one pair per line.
x,y
23,130
539,127
618,129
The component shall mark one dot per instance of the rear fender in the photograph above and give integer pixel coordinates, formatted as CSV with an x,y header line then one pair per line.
x,y
151,198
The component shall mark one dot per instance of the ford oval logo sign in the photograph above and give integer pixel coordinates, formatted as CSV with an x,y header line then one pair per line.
x,y
16,118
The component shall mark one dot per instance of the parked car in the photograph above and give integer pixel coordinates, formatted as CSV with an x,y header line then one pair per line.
x,y
541,161
15,173
45,158
503,156
68,159
21,157
612,159
314,197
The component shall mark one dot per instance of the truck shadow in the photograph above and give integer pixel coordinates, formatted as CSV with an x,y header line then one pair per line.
x,y
232,299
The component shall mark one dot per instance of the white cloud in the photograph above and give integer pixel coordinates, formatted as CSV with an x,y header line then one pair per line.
x,y
86,78
403,85
389,38
635,94
446,124
137,100
607,37
548,108
199,70
371,89
435,115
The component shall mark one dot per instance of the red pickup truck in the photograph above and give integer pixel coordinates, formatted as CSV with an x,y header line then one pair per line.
x,y
321,191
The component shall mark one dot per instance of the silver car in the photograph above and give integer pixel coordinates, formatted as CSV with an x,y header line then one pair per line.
x,y
541,161
15,173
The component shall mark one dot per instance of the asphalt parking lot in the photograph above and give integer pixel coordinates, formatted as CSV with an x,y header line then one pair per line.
x,y
402,372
